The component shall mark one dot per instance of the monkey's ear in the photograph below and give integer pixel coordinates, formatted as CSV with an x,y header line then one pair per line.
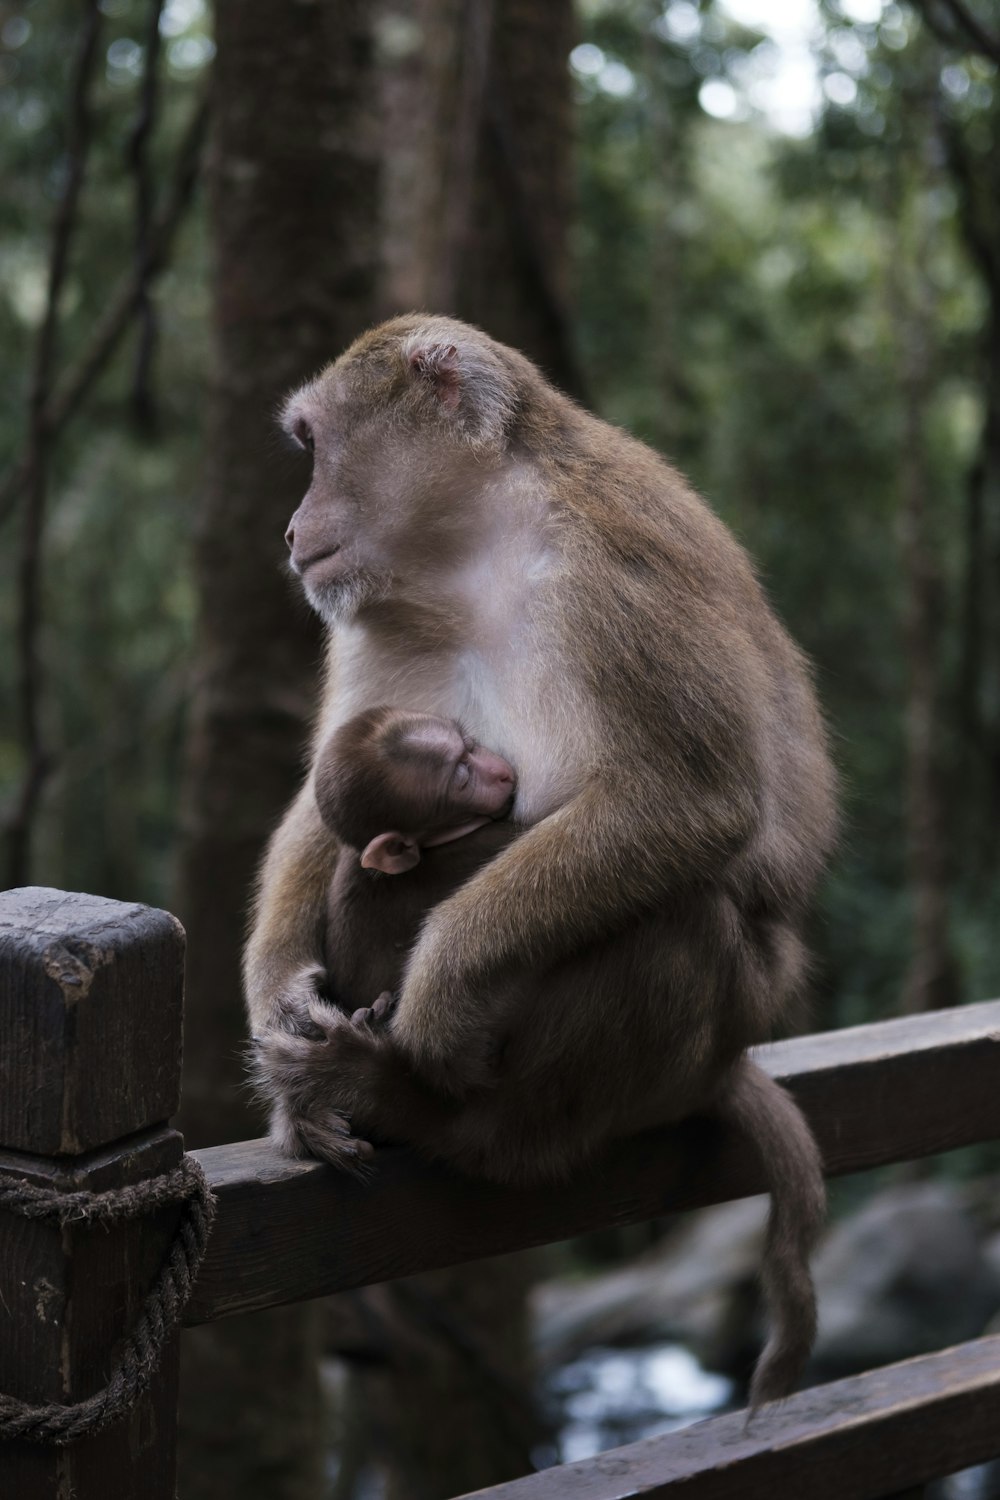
x,y
392,853
438,365
468,381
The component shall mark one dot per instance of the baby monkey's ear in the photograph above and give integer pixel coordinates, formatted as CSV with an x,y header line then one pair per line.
x,y
392,853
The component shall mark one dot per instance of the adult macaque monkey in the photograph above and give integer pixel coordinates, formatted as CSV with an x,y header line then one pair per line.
x,y
483,549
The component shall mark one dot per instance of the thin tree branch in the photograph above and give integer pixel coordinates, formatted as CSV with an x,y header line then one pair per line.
x,y
981,39
962,32
29,669
137,156
76,382
970,671
977,180
936,26
975,226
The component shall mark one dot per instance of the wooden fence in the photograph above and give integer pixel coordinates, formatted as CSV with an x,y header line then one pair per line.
x,y
90,1053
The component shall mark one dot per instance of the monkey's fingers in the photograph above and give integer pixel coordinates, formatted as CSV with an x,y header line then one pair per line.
x,y
384,1007
302,1129
326,1020
326,1135
377,1016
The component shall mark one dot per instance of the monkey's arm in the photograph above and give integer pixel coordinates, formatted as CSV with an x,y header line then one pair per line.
x,y
349,1077
282,963
580,873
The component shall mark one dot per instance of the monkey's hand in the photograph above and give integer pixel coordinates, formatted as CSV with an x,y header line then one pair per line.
x,y
378,1015
311,1100
357,1073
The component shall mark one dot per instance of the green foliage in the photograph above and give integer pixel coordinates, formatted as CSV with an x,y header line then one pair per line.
x,y
737,309
118,597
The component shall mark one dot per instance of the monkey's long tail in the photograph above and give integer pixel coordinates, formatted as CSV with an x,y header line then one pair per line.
x,y
762,1110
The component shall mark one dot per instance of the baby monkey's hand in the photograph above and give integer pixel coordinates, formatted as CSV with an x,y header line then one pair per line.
x,y
376,1017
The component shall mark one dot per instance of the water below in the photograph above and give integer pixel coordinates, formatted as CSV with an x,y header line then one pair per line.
x,y
608,1397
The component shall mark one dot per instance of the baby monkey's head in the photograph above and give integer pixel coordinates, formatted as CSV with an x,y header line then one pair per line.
x,y
390,783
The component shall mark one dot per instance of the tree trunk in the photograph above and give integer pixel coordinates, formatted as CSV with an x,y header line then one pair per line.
x,y
975,174
931,981
450,1406
513,274
980,643
476,110
292,213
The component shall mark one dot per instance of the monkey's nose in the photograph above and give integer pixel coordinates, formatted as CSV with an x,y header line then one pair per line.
x,y
290,538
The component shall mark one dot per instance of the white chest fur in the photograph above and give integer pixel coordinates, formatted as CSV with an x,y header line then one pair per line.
x,y
503,674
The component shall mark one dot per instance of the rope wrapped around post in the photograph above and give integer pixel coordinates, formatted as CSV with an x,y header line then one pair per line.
x,y
138,1359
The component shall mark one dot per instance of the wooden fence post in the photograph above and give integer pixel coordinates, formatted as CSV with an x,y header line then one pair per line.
x,y
90,1053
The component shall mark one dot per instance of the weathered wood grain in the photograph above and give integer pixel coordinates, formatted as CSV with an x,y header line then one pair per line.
x,y
90,1019
874,1094
866,1437
90,1007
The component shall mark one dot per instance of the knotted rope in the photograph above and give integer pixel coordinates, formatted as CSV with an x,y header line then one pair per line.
x,y
139,1357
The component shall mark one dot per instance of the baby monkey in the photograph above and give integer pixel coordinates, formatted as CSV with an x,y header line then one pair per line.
x,y
596,1047
401,791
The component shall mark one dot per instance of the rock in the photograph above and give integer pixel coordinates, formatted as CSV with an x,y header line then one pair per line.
x,y
684,1290
991,1251
910,1272
906,1275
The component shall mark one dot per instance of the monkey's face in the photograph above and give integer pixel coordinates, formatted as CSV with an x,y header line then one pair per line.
x,y
341,539
445,777
398,441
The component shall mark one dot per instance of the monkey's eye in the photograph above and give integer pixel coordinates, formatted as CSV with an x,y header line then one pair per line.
x,y
461,773
302,433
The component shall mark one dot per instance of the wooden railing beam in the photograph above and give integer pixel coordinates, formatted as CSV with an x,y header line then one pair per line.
x,y
866,1437
893,1091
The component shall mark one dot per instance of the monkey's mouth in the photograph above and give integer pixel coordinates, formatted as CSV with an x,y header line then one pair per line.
x,y
302,568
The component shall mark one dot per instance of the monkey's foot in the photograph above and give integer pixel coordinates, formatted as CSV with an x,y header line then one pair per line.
x,y
308,1117
325,1135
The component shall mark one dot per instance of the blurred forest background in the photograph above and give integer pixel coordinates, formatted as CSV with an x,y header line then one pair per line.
x,y
764,237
